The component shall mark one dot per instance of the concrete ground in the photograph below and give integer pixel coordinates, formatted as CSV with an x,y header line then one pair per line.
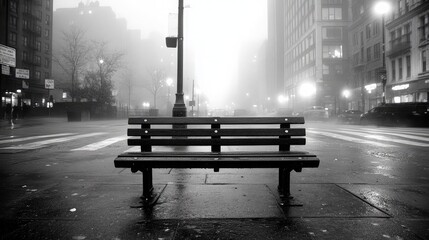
x,y
101,202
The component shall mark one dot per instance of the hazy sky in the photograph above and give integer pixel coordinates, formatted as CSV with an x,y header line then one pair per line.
x,y
217,30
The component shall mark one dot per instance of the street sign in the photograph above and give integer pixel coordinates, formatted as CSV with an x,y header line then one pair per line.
x,y
22,73
192,103
49,83
7,56
5,70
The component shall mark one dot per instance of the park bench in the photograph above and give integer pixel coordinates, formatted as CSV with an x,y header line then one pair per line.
x,y
218,134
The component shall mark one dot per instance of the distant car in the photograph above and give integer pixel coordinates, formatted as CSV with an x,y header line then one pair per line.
x,y
398,114
316,113
350,116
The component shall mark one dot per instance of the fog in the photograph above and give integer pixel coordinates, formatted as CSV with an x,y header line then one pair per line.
x,y
224,49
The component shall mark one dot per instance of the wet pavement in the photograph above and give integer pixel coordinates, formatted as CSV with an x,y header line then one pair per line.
x,y
56,196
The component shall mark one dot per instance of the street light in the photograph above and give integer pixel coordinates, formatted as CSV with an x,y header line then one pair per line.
x,y
169,82
179,109
307,90
382,8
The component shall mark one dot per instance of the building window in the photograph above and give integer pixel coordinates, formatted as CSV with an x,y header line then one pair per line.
x,y
37,60
369,77
48,19
368,31
355,39
377,52
38,46
13,6
12,38
47,75
369,54
408,62
46,62
424,61
375,28
37,75
400,68
393,71
25,24
13,21
48,4
332,33
24,56
46,32
332,13
424,27
25,41
38,30
332,51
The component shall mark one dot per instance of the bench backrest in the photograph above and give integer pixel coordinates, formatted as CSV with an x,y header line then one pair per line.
x,y
215,132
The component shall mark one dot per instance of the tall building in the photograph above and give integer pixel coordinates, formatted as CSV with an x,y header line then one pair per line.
x,y
366,65
26,29
275,49
315,53
407,51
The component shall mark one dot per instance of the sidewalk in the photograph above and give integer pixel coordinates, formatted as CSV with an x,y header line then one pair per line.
x,y
71,196
30,121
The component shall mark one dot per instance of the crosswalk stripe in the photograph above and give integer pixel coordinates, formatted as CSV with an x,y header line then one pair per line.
x,y
350,139
409,136
133,149
40,144
101,144
13,139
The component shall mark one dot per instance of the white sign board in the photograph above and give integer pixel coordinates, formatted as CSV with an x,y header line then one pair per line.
x,y
7,56
5,70
22,73
49,83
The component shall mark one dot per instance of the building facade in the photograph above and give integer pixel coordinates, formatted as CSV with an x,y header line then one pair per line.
x,y
407,48
315,53
27,28
366,65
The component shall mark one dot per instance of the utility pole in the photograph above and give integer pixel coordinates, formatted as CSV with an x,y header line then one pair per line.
x,y
179,109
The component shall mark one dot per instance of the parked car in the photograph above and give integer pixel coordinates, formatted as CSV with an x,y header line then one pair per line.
x,y
398,114
316,113
350,116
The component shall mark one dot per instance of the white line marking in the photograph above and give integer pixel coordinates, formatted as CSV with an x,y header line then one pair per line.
x,y
101,144
40,144
409,136
351,139
133,149
13,139
387,139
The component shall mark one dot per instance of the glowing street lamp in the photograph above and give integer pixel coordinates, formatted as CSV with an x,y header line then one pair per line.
x,y
346,93
307,90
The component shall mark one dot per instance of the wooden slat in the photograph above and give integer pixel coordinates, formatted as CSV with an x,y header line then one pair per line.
x,y
217,132
209,142
215,120
252,154
217,162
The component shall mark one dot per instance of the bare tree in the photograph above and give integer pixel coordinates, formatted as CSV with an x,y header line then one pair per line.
x,y
73,56
157,78
105,64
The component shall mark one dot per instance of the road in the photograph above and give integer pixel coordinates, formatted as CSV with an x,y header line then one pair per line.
x,y
385,168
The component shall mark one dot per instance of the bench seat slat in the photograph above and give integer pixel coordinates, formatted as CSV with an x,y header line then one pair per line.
x,y
217,132
216,162
222,142
216,120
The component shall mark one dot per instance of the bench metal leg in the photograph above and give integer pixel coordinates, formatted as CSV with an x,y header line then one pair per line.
x,y
147,184
284,182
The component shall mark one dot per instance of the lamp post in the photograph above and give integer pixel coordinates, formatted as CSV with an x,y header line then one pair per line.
x,y
382,8
169,82
179,108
